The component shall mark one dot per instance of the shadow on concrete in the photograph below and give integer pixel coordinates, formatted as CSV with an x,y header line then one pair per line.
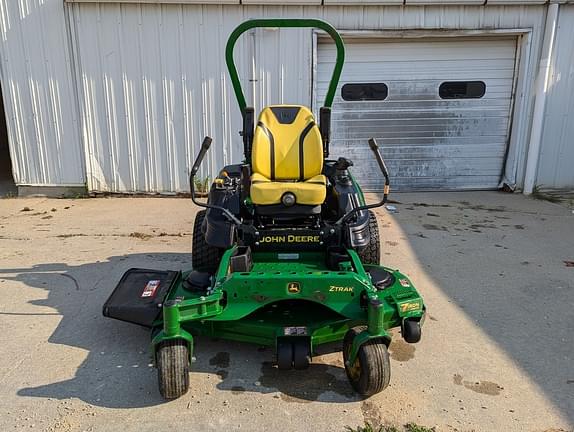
x,y
500,258
117,370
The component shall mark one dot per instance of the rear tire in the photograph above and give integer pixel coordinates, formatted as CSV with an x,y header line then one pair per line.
x,y
204,258
371,371
371,253
173,368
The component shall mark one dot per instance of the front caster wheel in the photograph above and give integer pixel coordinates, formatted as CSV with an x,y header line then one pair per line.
x,y
411,331
173,368
371,371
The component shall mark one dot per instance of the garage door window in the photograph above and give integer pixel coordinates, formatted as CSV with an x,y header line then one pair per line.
x,y
365,92
462,90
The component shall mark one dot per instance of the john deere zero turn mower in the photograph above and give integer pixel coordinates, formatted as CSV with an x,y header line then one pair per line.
x,y
285,254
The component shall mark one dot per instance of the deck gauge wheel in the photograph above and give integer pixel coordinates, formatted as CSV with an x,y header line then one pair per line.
x,y
284,355
293,354
301,354
411,330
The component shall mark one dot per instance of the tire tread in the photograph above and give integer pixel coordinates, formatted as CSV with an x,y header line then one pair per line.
x,y
173,368
203,256
371,253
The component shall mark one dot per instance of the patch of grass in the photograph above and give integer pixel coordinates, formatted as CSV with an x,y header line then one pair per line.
x,y
409,427
413,427
201,185
370,428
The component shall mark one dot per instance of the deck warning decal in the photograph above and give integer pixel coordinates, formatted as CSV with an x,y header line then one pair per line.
x,y
150,288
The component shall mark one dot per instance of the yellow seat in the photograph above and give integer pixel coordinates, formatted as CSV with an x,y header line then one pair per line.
x,y
287,156
309,192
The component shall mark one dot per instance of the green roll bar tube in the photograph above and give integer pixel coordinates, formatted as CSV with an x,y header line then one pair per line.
x,y
284,22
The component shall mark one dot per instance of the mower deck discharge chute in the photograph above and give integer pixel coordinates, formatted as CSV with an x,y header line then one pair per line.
x,y
285,253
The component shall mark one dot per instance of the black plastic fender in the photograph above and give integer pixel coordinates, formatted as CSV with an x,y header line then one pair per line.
x,y
219,231
347,194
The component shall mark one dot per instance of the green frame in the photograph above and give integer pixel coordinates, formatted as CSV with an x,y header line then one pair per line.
x,y
284,22
186,314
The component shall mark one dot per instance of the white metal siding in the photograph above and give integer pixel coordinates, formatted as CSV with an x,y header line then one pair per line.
x,y
153,78
154,83
41,105
39,95
428,142
556,164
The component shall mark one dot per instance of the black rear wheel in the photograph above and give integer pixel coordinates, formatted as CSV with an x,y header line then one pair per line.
x,y
370,373
371,253
173,368
205,258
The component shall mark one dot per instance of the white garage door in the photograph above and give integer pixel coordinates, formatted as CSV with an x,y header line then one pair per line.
x,y
439,109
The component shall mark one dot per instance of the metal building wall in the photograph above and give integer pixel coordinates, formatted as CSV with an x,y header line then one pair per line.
x,y
556,164
153,79
39,94
149,81
154,83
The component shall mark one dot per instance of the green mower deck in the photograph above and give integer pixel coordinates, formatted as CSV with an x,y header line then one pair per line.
x,y
266,303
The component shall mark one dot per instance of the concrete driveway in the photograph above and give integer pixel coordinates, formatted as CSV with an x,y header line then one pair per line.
x,y
497,352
